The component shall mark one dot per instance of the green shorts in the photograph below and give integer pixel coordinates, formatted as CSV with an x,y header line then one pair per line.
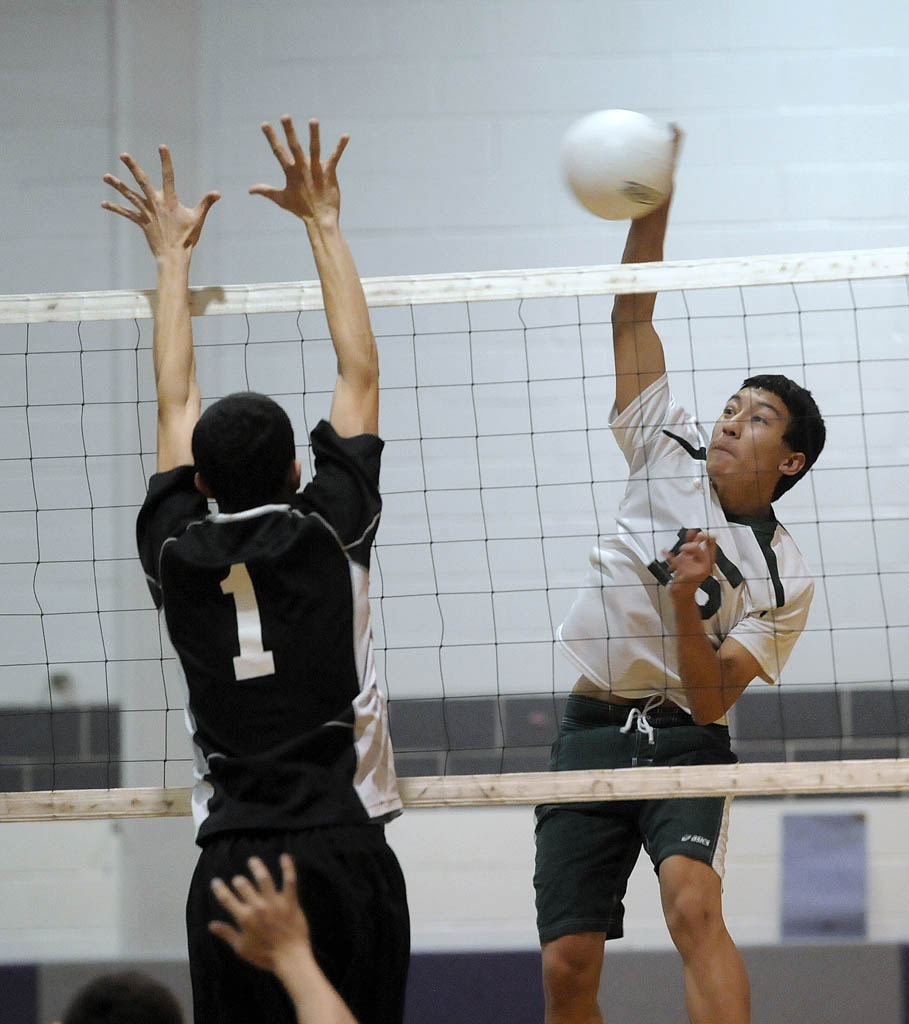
x,y
586,851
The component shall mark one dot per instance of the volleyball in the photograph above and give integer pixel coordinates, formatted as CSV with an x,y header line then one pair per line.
x,y
618,163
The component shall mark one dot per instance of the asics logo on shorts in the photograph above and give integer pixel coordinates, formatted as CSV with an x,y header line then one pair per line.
x,y
689,838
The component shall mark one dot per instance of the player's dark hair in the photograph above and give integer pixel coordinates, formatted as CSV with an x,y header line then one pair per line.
x,y
127,998
243,447
806,432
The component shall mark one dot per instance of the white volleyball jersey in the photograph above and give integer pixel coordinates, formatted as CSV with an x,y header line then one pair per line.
x,y
620,629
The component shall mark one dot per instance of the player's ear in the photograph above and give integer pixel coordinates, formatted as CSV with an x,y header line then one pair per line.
x,y
793,463
202,487
294,476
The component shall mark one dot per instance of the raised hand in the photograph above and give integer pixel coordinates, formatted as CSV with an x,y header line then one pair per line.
x,y
270,922
311,190
168,225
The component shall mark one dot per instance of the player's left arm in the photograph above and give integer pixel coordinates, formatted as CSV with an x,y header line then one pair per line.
x,y
311,192
713,678
172,231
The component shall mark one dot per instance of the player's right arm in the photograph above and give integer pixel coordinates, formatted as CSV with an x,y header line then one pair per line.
x,y
713,678
311,192
171,230
639,359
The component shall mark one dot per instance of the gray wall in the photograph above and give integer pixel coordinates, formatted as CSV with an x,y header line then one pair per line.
x,y
455,110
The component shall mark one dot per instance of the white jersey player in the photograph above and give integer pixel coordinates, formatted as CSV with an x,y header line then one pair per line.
x,y
758,593
699,592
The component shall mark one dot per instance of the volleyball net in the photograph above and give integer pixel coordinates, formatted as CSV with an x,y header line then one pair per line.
x,y
499,472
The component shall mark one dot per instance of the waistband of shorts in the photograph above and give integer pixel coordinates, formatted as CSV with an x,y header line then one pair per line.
x,y
591,711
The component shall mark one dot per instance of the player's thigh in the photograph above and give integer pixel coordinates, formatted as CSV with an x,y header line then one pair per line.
x,y
585,852
693,827
584,856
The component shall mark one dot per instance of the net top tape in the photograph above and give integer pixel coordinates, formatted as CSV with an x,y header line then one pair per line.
x,y
629,278
824,778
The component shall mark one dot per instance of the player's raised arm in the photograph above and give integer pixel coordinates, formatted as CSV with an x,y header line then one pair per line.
x,y
171,230
311,192
638,350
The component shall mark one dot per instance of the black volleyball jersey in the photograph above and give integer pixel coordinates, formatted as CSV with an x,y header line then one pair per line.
x,y
268,612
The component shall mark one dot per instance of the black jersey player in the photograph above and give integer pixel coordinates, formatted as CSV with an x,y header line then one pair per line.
x,y
266,604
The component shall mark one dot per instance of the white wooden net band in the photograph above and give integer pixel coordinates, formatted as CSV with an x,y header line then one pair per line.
x,y
777,779
469,287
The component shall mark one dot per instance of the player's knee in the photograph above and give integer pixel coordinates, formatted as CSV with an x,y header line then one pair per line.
x,y
693,914
571,968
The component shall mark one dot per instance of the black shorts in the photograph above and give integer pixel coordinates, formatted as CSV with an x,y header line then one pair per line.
x,y
586,851
352,890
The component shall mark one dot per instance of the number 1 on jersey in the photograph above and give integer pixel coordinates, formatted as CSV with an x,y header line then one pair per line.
x,y
253,660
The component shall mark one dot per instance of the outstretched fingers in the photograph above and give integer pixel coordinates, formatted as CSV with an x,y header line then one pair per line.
x,y
315,149
277,148
262,876
139,174
139,217
123,189
295,148
314,160
288,875
226,897
207,202
129,214
201,212
167,173
244,888
339,149
315,144
268,191
168,225
311,186
226,932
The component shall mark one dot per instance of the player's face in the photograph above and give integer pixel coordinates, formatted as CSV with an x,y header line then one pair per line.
x,y
748,443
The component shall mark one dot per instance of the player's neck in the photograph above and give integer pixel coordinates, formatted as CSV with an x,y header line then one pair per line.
x,y
742,495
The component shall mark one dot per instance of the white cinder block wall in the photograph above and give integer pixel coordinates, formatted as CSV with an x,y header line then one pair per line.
x,y
795,117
